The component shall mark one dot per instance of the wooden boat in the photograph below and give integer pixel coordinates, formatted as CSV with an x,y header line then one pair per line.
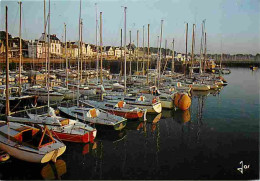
x,y
63,128
42,94
29,144
153,106
95,116
120,109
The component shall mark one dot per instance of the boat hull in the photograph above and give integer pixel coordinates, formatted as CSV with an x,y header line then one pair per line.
x,y
167,104
53,98
200,88
154,108
25,155
128,115
88,137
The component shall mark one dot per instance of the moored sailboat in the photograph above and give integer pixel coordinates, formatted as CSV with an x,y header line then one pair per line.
x,y
120,109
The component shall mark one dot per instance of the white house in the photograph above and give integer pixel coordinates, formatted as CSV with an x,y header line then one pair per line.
x,y
55,47
36,49
118,52
109,50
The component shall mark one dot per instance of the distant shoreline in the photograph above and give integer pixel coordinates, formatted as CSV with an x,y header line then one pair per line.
x,y
239,63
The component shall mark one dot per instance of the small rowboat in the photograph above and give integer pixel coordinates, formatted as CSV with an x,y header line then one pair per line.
x,y
29,144
120,109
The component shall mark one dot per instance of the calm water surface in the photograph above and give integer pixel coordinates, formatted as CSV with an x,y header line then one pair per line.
x,y
206,142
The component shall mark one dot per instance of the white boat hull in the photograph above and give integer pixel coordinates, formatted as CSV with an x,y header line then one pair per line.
x,y
155,108
25,155
167,104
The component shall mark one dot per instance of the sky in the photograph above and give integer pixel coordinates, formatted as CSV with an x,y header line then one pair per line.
x,y
232,26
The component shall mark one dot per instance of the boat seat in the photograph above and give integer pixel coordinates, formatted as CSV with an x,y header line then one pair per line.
x,y
93,113
64,122
120,104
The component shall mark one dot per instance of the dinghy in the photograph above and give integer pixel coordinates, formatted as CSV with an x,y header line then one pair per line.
x,y
29,144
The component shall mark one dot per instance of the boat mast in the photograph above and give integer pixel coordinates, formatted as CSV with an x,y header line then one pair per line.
x,y
125,48
192,50
148,54
66,58
157,61
97,41
130,67
101,61
45,47
220,66
7,107
49,47
201,45
186,44
79,54
121,57
20,53
221,61
81,44
205,50
137,51
159,73
143,51
172,55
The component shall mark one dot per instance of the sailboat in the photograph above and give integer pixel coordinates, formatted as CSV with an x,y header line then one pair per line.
x,y
25,142
99,118
141,102
120,109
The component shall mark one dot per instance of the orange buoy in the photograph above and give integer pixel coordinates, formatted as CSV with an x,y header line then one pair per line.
x,y
182,101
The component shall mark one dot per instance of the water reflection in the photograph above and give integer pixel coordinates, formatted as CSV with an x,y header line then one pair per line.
x,y
54,171
111,135
182,116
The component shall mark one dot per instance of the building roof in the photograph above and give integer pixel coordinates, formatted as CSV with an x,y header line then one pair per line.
x,y
52,37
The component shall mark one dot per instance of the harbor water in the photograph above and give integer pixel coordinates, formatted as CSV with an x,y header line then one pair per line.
x,y
211,140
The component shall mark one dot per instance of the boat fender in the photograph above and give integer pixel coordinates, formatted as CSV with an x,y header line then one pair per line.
x,y
4,157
